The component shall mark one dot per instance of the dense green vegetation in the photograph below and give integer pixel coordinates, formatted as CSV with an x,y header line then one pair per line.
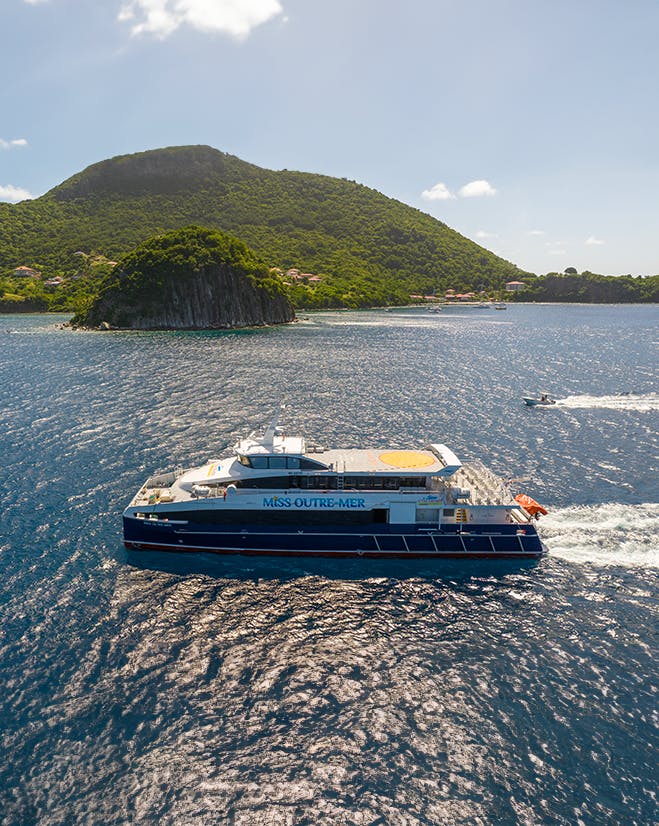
x,y
137,284
369,249
34,295
590,288
14,303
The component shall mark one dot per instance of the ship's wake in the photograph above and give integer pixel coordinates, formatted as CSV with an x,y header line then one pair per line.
x,y
622,401
606,534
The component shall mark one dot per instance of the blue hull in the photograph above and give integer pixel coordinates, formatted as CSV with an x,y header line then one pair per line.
x,y
401,541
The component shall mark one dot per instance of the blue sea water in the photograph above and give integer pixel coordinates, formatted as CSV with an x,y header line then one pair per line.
x,y
170,689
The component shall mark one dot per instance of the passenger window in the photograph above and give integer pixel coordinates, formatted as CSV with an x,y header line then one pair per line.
x,y
259,462
277,462
292,463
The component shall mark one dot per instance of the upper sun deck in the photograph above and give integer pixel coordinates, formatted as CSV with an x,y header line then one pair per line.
x,y
273,450
437,460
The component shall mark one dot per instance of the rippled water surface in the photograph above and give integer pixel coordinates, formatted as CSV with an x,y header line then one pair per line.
x,y
171,689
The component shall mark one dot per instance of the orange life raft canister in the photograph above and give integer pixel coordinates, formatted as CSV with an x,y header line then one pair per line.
x,y
530,505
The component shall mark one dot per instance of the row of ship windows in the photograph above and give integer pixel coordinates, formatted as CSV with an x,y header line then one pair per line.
x,y
318,482
280,462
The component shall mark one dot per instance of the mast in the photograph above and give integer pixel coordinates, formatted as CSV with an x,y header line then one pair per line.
x,y
271,429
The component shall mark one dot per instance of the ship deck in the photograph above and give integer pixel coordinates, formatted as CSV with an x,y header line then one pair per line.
x,y
394,462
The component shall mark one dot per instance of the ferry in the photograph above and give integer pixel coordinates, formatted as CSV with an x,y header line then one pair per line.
x,y
276,495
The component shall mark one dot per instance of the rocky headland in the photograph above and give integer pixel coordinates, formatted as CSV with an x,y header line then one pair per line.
x,y
189,279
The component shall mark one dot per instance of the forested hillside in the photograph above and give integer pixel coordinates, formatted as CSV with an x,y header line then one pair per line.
x,y
590,288
369,249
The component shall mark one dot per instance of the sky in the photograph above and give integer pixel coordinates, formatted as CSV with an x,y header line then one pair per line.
x,y
529,126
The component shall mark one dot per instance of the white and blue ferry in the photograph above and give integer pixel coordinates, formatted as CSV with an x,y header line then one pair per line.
x,y
276,495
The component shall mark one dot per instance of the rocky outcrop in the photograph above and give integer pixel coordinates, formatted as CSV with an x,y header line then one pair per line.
x,y
190,279
214,298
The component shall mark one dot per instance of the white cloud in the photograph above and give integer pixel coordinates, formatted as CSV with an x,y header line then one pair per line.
x,y
557,251
483,234
476,189
34,2
439,192
594,242
13,194
536,232
11,144
162,17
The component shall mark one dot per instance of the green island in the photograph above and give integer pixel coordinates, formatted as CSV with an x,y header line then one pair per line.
x,y
188,279
329,242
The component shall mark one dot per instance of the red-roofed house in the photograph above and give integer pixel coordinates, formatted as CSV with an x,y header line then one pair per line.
x,y
26,272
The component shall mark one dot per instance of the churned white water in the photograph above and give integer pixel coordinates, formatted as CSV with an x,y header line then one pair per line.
x,y
625,401
606,534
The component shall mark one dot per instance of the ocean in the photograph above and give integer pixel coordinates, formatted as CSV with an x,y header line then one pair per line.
x,y
170,689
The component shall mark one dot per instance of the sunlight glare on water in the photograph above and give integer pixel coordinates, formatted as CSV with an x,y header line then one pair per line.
x,y
170,689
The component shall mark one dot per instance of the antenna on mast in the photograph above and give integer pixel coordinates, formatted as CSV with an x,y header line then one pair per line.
x,y
271,429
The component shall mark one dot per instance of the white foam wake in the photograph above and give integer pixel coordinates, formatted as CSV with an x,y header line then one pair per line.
x,y
607,534
623,401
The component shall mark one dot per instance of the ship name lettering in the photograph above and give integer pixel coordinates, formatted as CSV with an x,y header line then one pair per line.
x,y
277,502
310,502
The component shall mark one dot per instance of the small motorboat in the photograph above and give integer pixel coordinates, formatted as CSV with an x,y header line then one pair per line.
x,y
544,399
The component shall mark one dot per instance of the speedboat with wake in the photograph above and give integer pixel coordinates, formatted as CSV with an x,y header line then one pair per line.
x,y
544,399
276,495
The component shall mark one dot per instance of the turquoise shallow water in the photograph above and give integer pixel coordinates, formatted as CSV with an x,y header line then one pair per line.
x,y
181,690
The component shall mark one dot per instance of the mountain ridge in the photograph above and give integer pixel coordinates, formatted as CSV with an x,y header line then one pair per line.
x,y
371,249
151,167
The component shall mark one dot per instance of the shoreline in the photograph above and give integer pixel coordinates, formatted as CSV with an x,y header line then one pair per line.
x,y
381,308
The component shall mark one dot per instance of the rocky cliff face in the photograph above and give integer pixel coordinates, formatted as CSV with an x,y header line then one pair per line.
x,y
214,298
189,279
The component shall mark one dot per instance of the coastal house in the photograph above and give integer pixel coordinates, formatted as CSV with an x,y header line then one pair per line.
x,y
307,277
54,282
514,286
26,272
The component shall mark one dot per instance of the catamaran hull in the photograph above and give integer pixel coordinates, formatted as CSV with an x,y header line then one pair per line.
x,y
406,542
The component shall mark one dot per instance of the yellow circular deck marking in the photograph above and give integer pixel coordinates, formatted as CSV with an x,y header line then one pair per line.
x,y
406,458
